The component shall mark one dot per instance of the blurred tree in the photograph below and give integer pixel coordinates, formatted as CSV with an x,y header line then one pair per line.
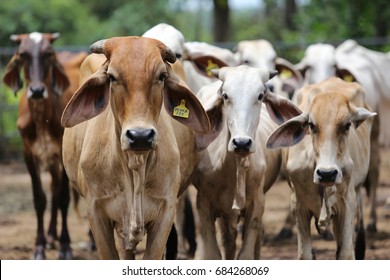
x,y
69,17
221,21
290,8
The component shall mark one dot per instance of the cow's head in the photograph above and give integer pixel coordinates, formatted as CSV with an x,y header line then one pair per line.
x,y
319,63
261,54
328,118
36,56
135,80
241,92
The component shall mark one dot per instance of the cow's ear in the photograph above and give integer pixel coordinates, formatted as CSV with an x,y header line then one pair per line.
x,y
291,78
289,133
360,114
90,99
11,75
215,114
182,105
205,63
345,75
60,79
279,108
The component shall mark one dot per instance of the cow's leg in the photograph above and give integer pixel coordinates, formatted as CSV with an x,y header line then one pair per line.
x,y
252,227
373,175
303,218
158,232
103,233
179,224
209,249
39,204
55,173
64,199
229,235
343,227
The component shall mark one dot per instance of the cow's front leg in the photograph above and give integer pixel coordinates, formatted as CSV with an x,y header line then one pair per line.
x,y
103,232
253,227
343,227
303,218
158,231
208,248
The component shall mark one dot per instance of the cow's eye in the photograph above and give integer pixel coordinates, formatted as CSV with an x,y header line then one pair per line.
x,y
178,55
111,78
224,96
261,96
347,126
163,76
313,127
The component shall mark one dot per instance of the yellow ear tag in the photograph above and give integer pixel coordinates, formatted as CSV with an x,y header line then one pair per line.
x,y
348,78
181,111
285,74
210,66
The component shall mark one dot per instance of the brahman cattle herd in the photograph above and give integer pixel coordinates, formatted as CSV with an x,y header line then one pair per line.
x,y
135,123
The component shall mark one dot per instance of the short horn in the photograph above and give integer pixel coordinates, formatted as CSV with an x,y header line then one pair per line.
x,y
98,47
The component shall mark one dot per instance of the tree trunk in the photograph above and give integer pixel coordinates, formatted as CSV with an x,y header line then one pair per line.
x,y
289,12
221,21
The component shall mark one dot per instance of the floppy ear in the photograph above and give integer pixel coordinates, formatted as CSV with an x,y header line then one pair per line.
x,y
60,79
182,105
345,75
205,63
289,133
11,75
360,115
215,114
291,78
280,109
89,100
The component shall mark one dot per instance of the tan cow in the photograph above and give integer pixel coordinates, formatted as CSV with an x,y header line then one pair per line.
x,y
121,151
51,78
236,169
329,162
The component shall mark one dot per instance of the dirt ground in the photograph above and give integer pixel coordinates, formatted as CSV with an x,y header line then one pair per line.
x,y
18,223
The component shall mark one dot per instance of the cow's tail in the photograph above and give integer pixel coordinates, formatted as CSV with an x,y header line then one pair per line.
x,y
360,240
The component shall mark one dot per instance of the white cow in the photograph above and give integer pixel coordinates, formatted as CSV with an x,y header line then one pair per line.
x,y
195,50
261,54
352,62
236,169
328,163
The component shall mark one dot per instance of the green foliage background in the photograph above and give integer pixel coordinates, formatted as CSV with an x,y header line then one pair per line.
x,y
81,23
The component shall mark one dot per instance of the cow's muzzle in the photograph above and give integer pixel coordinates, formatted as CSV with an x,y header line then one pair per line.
x,y
36,92
141,139
242,146
326,177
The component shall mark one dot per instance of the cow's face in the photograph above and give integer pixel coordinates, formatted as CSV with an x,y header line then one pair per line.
x,y
36,56
329,120
318,64
242,92
134,80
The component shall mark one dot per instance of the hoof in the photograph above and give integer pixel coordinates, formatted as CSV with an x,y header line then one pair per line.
x,y
50,242
39,253
285,233
65,252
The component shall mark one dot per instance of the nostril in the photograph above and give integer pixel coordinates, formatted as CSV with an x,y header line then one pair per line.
x,y
141,139
327,175
37,92
242,144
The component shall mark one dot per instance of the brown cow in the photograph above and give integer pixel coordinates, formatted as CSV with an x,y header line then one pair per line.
x,y
126,156
326,163
47,91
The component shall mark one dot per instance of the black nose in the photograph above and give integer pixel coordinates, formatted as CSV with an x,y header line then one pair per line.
x,y
141,139
242,145
327,175
37,92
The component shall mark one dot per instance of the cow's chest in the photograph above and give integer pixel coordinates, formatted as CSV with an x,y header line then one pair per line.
x,y
46,149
